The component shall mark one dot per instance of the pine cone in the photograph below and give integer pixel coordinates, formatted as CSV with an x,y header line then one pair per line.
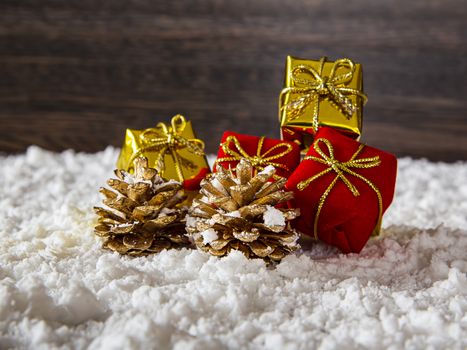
x,y
238,212
144,214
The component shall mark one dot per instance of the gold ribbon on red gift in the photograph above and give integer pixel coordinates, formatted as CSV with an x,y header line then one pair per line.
x,y
260,160
341,169
316,87
164,139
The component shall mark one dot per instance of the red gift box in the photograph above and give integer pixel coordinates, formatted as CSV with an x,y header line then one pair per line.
x,y
342,188
261,151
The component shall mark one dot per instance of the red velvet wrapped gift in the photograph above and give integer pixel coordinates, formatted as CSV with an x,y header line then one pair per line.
x,y
342,188
261,151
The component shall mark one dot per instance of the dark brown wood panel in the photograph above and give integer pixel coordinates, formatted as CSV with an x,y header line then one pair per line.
x,y
75,74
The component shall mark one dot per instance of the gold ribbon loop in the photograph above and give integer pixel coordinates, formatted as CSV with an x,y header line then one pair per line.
x,y
259,161
164,139
313,86
341,169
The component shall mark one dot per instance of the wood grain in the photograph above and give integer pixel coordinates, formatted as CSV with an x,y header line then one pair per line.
x,y
75,74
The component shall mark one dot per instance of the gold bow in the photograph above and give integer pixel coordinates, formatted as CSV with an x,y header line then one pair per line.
x,y
317,86
259,161
341,169
164,140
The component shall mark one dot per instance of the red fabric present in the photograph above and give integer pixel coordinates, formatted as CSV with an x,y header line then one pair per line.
x,y
261,151
342,188
194,183
303,137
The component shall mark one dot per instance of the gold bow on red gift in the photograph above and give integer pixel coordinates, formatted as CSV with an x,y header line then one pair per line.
x,y
260,160
315,87
164,139
341,169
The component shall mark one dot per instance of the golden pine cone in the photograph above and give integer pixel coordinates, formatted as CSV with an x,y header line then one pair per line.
x,y
237,212
143,214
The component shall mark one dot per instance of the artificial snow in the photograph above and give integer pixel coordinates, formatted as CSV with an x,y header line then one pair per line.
x,y
234,214
273,217
267,170
59,289
209,235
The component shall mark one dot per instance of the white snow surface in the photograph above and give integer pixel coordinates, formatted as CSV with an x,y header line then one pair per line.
x,y
273,217
209,235
60,290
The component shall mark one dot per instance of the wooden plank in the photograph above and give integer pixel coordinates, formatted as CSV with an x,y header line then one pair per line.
x,y
75,74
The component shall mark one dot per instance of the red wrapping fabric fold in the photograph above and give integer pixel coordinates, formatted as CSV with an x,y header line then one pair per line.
x,y
193,184
303,137
251,146
346,220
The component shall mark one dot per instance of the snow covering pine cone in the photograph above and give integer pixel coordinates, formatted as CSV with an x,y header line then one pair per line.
x,y
144,213
237,212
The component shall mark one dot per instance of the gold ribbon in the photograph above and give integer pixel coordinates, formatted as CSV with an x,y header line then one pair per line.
x,y
164,139
341,169
259,161
316,87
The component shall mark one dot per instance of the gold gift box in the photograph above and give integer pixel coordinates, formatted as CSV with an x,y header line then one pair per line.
x,y
320,93
172,149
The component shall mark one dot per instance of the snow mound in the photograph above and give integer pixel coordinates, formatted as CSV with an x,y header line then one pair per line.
x,y
58,289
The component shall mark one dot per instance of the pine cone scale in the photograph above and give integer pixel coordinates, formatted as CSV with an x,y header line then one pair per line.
x,y
225,203
118,185
116,244
158,246
106,214
122,204
122,229
246,236
160,222
139,192
271,187
140,242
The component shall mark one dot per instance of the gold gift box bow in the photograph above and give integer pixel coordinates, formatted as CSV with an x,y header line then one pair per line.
x,y
162,143
308,87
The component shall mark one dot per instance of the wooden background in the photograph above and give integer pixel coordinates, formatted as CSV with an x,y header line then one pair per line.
x,y
76,73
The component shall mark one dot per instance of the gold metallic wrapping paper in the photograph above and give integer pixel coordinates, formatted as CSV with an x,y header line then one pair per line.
x,y
320,93
172,149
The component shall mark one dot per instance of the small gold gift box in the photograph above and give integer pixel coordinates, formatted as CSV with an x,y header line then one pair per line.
x,y
320,93
172,149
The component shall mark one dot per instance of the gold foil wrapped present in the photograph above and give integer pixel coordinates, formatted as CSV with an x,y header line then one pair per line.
x,y
172,149
320,93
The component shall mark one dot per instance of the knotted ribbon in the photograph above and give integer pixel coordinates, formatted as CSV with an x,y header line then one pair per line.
x,y
260,160
316,87
164,139
341,169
